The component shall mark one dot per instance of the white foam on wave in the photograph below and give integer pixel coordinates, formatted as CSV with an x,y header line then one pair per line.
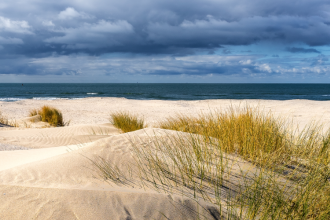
x,y
10,99
35,98
92,93
47,98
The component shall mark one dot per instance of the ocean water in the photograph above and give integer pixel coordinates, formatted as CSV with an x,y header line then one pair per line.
x,y
15,92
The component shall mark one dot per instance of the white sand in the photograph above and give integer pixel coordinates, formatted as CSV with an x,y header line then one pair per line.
x,y
96,110
55,180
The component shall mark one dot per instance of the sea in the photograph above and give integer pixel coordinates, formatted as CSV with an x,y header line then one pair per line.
x,y
10,92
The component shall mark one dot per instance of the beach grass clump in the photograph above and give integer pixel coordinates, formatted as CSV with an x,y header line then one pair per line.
x,y
247,132
33,112
3,119
287,176
49,114
126,121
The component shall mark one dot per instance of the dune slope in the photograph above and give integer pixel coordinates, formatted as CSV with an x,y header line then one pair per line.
x,y
62,183
54,137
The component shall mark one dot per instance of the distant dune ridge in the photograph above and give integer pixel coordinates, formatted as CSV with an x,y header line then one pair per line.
x,y
47,173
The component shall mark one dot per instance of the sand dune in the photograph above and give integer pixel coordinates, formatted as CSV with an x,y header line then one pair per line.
x,y
43,203
61,183
53,137
54,178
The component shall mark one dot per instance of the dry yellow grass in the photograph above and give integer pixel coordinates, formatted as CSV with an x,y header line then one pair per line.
x,y
49,114
33,112
247,132
126,122
3,119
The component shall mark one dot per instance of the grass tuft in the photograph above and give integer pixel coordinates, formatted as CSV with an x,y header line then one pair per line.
x,y
49,114
247,132
3,119
33,112
126,121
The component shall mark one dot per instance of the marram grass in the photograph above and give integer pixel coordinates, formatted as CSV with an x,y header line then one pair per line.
x,y
126,121
247,132
290,178
49,114
3,119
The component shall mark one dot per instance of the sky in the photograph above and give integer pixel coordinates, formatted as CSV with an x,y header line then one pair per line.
x,y
164,41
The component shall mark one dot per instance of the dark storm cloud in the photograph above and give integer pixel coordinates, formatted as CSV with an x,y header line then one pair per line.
x,y
58,37
210,69
302,50
151,27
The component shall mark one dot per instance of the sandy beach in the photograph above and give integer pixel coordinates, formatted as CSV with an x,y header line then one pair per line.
x,y
96,110
45,173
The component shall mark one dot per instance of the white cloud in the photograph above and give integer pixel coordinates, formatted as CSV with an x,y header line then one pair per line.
x,y
245,62
264,68
70,13
48,23
14,26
